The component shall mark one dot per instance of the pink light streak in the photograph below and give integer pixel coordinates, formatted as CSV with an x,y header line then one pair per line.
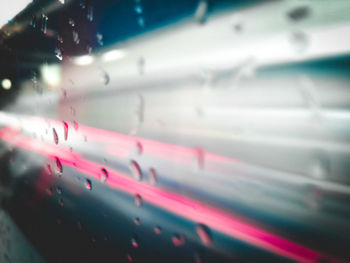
x,y
220,220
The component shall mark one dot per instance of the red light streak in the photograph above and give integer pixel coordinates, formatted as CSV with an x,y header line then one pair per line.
x,y
220,220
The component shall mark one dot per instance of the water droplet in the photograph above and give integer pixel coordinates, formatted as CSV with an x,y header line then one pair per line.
x,y
237,27
157,230
59,166
153,176
200,157
49,169
299,41
65,129
136,170
75,35
58,221
313,198
90,13
309,92
237,23
85,138
60,202
59,190
79,225
244,71
72,111
320,165
44,19
129,257
58,54
201,12
99,38
139,148
141,21
105,77
89,49
141,65
138,9
135,241
178,240
196,258
33,22
71,22
82,5
204,234
88,184
59,39
299,13
34,80
76,125
55,136
103,175
138,200
137,221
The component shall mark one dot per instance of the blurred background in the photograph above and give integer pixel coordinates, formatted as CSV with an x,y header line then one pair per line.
x,y
174,131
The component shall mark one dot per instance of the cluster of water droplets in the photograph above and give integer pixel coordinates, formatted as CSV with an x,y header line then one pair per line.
x,y
298,38
139,10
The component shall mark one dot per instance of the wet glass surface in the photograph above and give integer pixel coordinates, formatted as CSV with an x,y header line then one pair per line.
x,y
175,131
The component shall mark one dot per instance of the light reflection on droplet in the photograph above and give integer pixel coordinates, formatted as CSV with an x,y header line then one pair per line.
x,y
75,36
99,38
201,12
157,230
153,176
129,257
134,241
71,22
178,240
90,13
138,9
44,19
139,148
204,234
138,200
137,221
65,129
103,175
59,166
58,54
88,184
75,125
135,170
55,136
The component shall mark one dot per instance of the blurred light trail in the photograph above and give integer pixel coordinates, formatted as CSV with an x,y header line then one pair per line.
x,y
113,55
83,60
217,219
